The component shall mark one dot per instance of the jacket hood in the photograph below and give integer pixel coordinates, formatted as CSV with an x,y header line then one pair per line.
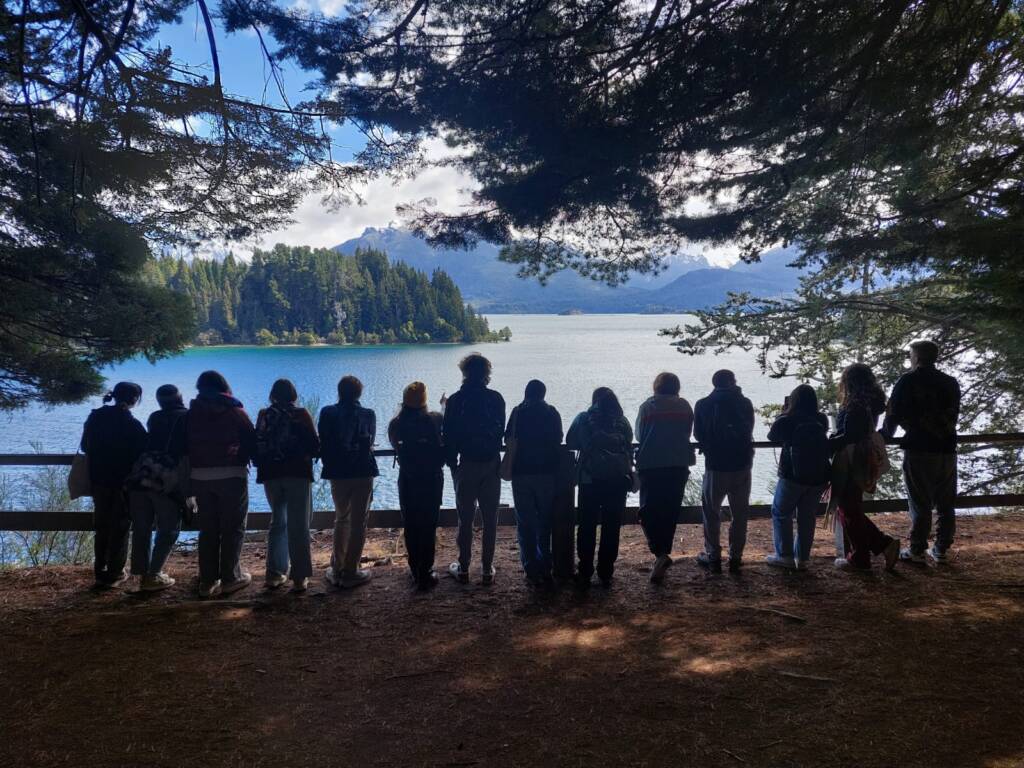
x,y
726,393
215,403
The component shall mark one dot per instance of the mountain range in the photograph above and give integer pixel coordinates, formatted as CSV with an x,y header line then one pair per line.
x,y
490,285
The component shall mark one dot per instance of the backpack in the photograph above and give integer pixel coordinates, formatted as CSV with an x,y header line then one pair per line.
x,y
481,425
808,453
156,471
728,436
419,446
277,439
608,456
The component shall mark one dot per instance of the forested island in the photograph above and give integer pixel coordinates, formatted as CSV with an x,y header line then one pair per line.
x,y
302,295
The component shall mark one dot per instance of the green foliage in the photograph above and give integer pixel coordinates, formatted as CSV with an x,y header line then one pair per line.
x,y
302,295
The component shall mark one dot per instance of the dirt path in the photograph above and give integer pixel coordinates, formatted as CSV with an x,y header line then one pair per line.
x,y
923,667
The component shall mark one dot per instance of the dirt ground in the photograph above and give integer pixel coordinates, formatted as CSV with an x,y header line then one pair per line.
x,y
921,667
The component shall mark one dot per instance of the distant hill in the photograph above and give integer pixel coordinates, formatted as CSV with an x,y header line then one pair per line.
x,y
491,285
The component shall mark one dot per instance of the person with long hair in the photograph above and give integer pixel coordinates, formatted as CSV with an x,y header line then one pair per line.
x,y
221,441
286,444
604,439
415,434
804,468
112,440
860,458
347,434
664,424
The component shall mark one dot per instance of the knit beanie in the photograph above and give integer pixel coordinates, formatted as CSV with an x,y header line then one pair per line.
x,y
415,395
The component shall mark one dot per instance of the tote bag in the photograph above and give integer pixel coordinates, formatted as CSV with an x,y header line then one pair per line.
x,y
79,484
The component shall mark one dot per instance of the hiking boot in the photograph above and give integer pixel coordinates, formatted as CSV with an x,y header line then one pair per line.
x,y
275,580
801,565
332,578
937,556
488,576
734,564
456,572
230,587
705,561
661,565
908,555
777,561
300,585
356,578
156,582
209,590
892,554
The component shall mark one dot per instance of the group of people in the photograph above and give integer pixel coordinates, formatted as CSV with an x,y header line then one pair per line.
x,y
194,461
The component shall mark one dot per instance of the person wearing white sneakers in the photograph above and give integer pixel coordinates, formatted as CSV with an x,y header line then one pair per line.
x,y
804,468
665,454
926,403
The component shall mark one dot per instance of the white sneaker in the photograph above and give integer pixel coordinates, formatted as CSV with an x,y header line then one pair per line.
x,y
907,555
780,562
209,590
661,565
936,556
356,578
842,562
332,578
488,576
156,582
300,585
801,565
275,580
233,586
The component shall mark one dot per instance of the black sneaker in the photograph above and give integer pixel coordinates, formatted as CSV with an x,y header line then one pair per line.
x,y
704,561
581,582
456,572
428,582
734,565
606,582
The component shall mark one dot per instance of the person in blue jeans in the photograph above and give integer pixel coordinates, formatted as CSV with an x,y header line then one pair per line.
x,y
534,437
803,475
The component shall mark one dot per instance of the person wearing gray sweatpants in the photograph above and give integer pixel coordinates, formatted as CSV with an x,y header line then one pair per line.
x,y
724,427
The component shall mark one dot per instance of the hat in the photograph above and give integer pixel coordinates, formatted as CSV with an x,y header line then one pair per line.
x,y
415,395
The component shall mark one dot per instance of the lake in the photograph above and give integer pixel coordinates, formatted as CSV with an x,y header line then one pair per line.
x,y
571,354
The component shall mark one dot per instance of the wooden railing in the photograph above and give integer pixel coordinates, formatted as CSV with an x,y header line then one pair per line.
x,y
42,520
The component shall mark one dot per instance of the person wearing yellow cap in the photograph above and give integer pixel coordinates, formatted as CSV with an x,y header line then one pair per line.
x,y
415,434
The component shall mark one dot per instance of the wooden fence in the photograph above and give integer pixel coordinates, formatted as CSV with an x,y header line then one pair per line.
x,y
42,520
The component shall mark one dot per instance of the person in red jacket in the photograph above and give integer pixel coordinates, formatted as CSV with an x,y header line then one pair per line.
x,y
221,440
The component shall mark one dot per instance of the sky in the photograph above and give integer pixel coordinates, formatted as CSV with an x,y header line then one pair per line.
x,y
246,73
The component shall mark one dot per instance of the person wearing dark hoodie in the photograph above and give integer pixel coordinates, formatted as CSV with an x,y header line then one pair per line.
x,y
855,445
664,424
286,444
926,403
474,422
604,439
534,437
803,476
112,440
724,427
158,490
347,434
415,434
221,441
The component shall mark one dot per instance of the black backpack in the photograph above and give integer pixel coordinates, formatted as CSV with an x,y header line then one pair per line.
x,y
808,453
419,446
728,437
156,470
609,455
481,425
277,439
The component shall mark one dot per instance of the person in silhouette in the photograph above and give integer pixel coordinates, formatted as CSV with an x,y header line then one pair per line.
x,y
604,439
860,460
724,427
221,441
415,434
926,403
286,444
347,434
474,422
663,460
112,440
534,438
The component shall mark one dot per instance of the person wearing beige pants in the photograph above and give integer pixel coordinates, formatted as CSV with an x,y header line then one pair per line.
x,y
347,432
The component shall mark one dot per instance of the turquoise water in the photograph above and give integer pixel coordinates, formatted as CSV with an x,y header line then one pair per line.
x,y
571,354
